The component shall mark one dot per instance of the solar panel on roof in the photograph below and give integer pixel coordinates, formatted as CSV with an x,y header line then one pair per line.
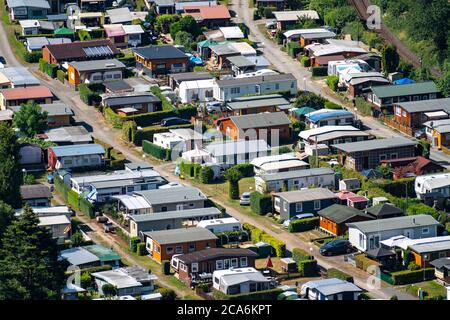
x,y
98,51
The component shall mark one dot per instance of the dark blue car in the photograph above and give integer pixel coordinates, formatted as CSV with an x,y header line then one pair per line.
x,y
336,247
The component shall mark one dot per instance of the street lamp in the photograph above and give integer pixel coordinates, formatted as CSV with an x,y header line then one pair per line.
x,y
304,83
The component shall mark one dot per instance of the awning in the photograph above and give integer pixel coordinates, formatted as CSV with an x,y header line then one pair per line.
x,y
133,203
437,114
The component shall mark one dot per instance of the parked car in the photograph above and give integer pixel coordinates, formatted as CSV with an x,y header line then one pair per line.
x,y
336,247
173,121
102,219
51,177
109,227
214,106
297,217
245,199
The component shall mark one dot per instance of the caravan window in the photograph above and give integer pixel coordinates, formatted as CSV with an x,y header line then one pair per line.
x,y
243,261
234,262
425,230
219,264
194,267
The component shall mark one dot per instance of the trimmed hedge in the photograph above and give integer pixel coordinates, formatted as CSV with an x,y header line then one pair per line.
x,y
260,203
165,266
156,151
362,262
271,294
257,235
246,169
33,57
88,96
61,188
305,61
307,268
140,249
300,255
332,105
319,71
72,199
86,207
332,82
206,175
304,224
293,48
306,264
61,75
408,277
133,243
335,273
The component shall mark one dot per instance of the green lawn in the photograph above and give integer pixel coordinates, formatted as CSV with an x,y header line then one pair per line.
x,y
433,289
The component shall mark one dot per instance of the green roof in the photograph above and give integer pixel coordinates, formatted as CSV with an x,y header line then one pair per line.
x,y
416,88
208,43
302,111
104,254
63,31
258,102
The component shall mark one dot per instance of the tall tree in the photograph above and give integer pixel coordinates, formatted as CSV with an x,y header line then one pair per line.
x,y
389,59
10,173
6,217
233,176
31,120
29,265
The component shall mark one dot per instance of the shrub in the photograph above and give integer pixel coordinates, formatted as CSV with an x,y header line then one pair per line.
x,y
156,151
166,293
165,266
267,12
257,235
60,75
362,262
304,224
307,268
72,199
42,64
408,277
332,82
206,174
293,48
306,62
332,105
141,250
335,273
259,203
412,266
50,69
134,242
363,106
129,129
88,96
300,255
246,169
33,57
86,207
61,188
319,71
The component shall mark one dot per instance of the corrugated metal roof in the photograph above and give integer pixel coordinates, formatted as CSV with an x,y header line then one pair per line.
x,y
172,195
219,148
340,213
421,220
179,214
297,174
306,195
97,65
405,89
260,120
426,105
375,144
181,235
78,150
258,102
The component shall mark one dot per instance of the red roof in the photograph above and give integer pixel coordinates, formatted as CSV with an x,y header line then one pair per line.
x,y
322,60
344,195
114,30
207,12
34,92
357,199
74,50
